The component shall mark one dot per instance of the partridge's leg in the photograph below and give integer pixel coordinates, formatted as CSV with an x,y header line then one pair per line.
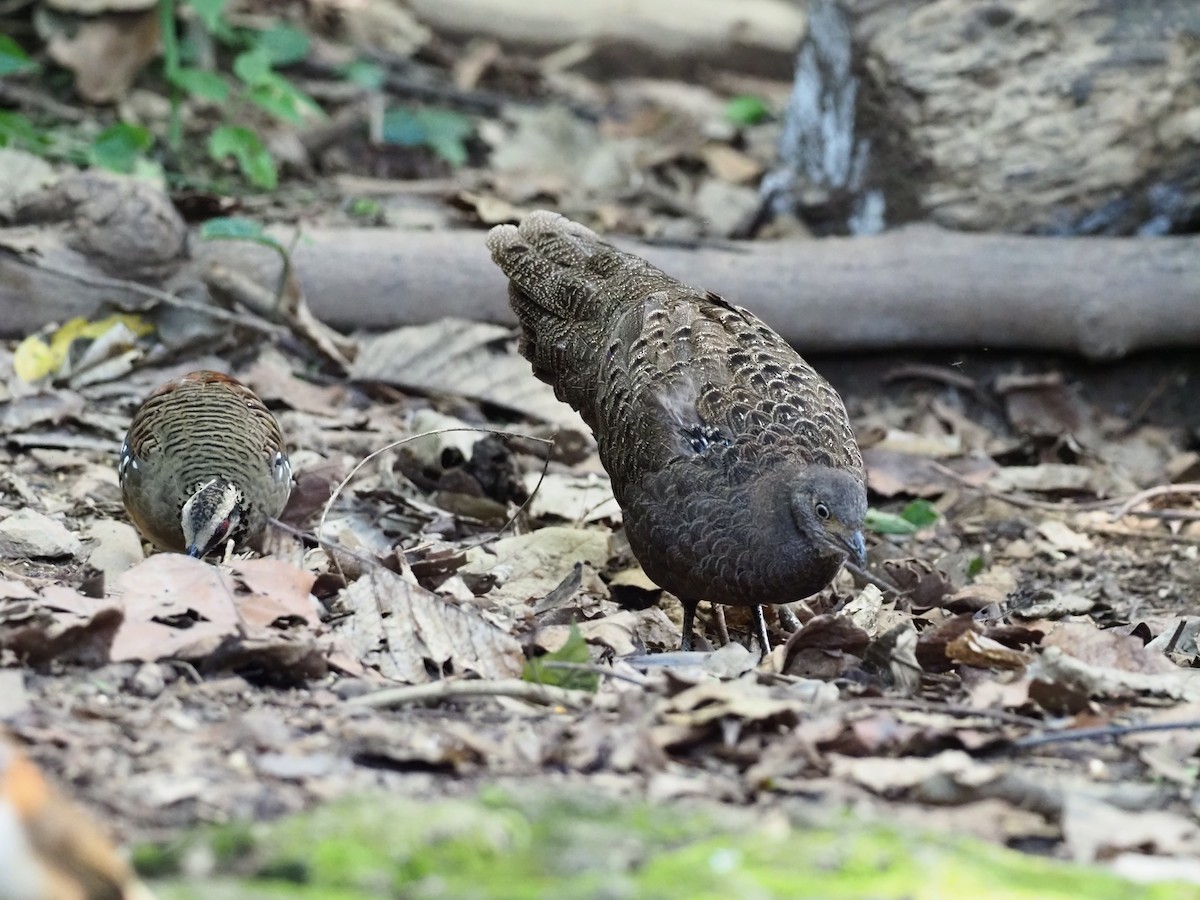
x,y
718,612
689,616
764,641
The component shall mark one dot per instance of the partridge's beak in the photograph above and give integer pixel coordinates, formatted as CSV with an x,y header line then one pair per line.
x,y
854,546
195,552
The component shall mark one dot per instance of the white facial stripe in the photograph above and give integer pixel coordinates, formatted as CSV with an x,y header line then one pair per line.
x,y
226,507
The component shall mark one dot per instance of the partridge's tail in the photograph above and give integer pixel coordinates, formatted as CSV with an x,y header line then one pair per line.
x,y
560,287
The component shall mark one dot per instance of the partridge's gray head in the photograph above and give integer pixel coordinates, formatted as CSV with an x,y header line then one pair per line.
x,y
204,463
829,506
733,461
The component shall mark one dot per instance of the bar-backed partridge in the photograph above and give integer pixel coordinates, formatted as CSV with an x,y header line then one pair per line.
x,y
733,461
204,463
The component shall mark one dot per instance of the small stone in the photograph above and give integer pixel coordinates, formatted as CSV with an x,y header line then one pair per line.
x,y
31,535
148,681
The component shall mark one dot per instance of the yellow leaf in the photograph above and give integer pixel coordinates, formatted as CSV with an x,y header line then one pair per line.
x,y
33,360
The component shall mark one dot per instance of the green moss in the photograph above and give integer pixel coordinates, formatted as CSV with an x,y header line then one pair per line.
x,y
569,846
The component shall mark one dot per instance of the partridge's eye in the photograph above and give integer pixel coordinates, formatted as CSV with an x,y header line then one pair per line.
x,y
822,511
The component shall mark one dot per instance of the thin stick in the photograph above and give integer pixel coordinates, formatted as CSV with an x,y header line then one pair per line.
x,y
1144,535
1108,731
542,694
1150,493
958,712
1019,500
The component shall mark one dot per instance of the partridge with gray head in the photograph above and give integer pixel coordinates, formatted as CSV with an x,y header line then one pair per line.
x,y
733,461
204,463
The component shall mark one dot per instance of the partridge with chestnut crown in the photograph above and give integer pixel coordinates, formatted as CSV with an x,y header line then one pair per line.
x,y
204,463
733,461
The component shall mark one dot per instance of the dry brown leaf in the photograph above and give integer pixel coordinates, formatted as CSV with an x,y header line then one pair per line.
x,y
529,566
1056,669
887,776
576,498
177,607
273,591
1107,648
1062,537
272,379
57,624
890,472
1095,830
1041,405
414,636
937,444
1050,605
1044,478
824,646
973,649
744,699
46,407
461,357
925,584
729,164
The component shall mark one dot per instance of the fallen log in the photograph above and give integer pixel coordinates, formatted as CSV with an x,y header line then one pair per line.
x,y
670,36
917,287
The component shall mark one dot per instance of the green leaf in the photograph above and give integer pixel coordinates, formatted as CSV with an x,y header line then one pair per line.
x,y
199,83
17,130
574,651
252,157
231,228
270,90
365,208
211,13
920,513
746,109
975,566
283,44
888,523
119,147
365,74
441,130
253,66
277,96
916,515
13,59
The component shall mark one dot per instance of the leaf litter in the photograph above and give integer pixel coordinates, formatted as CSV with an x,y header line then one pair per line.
x,y
464,605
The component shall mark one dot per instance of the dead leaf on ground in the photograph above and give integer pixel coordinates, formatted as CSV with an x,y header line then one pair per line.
x,y
461,357
414,636
1057,675
529,566
889,776
177,607
973,649
1095,830
57,624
